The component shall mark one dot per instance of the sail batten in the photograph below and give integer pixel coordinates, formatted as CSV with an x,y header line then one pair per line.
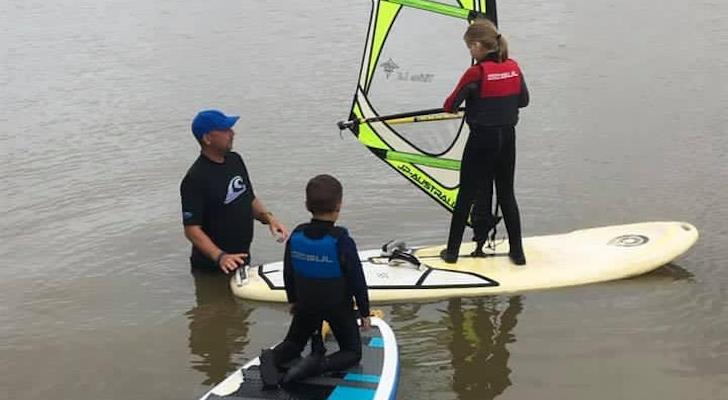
x,y
419,159
436,7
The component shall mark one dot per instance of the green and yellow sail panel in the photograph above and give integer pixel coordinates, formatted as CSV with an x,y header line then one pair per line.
x,y
413,58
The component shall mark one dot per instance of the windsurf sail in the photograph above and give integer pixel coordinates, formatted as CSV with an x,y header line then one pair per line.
x,y
414,56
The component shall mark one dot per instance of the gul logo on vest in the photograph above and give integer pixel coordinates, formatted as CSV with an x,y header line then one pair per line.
x,y
502,75
297,255
236,187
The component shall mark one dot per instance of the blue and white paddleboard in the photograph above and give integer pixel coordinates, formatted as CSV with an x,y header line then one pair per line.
x,y
375,378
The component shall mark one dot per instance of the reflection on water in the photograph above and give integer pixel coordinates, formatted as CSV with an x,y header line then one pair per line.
x,y
218,327
673,271
461,344
405,312
481,329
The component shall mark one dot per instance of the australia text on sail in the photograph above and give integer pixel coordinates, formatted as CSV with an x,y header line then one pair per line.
x,y
427,185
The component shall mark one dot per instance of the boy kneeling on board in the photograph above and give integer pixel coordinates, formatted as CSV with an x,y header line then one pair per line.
x,y
322,275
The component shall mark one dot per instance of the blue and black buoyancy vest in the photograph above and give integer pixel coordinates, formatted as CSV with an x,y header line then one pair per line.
x,y
320,279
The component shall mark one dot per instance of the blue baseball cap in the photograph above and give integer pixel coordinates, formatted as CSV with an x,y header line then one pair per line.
x,y
211,120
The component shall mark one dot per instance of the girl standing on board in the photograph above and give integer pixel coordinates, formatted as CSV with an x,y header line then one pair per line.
x,y
494,90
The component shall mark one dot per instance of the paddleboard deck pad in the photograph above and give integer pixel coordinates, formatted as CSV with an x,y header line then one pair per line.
x,y
576,258
375,378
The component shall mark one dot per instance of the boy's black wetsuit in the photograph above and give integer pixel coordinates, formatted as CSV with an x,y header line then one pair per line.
x,y
219,198
322,274
493,91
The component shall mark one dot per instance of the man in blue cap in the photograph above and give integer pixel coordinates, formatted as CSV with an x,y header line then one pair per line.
x,y
218,202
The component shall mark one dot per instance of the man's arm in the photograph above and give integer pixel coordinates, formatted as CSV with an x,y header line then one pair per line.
x,y
226,262
277,229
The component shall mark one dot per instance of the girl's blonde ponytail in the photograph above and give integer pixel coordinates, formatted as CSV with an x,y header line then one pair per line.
x,y
485,32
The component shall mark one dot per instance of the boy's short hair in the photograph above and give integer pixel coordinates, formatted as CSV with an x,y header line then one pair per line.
x,y
323,194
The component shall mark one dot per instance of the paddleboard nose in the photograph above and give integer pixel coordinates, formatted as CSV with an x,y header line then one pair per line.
x,y
688,227
691,232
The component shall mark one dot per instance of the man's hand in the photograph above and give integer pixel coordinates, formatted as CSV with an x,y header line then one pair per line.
x,y
278,230
266,217
230,262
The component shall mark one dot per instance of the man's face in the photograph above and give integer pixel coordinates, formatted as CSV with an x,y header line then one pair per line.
x,y
221,139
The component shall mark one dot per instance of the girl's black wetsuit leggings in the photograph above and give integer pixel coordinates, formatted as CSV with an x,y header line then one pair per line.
x,y
489,155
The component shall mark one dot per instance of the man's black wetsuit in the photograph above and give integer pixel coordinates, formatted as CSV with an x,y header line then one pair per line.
x,y
322,275
219,198
493,91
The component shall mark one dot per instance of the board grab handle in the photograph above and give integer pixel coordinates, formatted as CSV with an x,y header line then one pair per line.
x,y
241,275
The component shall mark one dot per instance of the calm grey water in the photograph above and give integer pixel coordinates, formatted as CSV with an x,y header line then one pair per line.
x,y
627,124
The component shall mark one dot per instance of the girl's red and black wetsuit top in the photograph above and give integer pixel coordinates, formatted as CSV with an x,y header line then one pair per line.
x,y
323,275
493,92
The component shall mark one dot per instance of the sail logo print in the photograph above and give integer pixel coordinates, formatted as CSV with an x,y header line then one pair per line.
x,y
426,185
390,68
629,240
236,187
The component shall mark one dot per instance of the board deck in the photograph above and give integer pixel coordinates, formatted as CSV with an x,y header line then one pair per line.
x,y
575,258
375,377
